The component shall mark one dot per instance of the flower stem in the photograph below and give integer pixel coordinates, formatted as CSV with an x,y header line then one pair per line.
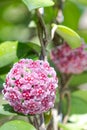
x,y
42,34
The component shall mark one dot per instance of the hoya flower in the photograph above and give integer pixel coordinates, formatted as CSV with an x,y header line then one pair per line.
x,y
30,86
70,61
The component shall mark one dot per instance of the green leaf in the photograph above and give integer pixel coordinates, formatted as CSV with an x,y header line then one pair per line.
x,y
34,46
71,13
70,36
83,34
34,4
2,78
49,17
47,117
82,2
8,52
75,81
17,125
79,102
13,51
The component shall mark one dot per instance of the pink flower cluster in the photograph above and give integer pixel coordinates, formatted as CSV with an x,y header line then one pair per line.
x,y
30,86
70,61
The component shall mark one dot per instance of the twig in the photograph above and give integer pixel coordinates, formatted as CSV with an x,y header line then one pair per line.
x,y
42,34
43,26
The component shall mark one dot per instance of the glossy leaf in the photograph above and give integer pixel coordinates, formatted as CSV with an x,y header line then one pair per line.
x,y
79,102
34,4
7,52
17,125
69,35
12,51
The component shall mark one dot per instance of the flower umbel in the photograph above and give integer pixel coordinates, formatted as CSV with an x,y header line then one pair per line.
x,y
30,86
70,61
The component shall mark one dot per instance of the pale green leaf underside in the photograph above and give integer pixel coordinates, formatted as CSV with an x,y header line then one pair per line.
x,y
17,125
35,4
69,35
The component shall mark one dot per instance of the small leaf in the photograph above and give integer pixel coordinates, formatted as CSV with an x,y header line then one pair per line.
x,y
34,4
17,125
70,36
47,116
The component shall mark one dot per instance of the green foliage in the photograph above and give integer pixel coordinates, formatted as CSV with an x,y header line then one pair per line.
x,y
78,80
35,4
70,36
17,125
84,2
79,102
72,14
83,34
12,51
8,53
